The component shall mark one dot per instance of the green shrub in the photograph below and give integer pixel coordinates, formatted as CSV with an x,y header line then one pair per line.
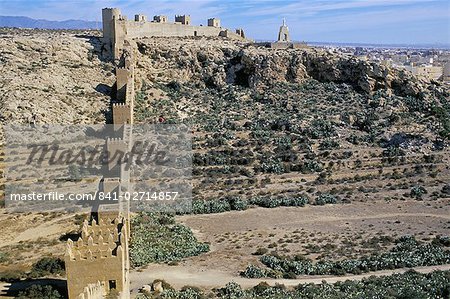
x,y
12,275
417,192
218,205
441,241
325,198
155,238
321,129
328,144
273,202
231,290
47,266
253,271
186,292
408,252
36,291
409,285
3,257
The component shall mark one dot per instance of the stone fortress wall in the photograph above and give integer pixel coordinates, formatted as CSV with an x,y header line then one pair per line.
x,y
93,291
117,28
101,246
99,261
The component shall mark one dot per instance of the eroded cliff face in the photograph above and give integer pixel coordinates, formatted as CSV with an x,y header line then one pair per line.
x,y
217,63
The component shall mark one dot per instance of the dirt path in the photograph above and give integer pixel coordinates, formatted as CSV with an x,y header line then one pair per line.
x,y
212,278
234,236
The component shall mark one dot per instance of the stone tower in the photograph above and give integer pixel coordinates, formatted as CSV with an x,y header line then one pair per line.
x,y
283,35
214,22
98,261
108,14
183,19
99,255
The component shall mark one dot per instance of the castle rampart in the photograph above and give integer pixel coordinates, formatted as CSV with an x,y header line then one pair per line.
x,y
117,28
122,114
93,291
101,246
99,260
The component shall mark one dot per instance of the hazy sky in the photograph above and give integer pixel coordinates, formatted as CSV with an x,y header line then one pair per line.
x,y
365,21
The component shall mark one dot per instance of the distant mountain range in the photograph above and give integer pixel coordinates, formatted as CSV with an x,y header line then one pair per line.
x,y
25,22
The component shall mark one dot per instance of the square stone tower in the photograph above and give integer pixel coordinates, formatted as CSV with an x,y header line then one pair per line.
x,y
160,19
100,254
140,18
214,22
184,19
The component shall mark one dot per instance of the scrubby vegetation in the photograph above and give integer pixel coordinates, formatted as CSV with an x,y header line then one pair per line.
x,y
235,203
157,238
301,136
44,267
47,266
3,257
12,275
37,291
409,285
408,252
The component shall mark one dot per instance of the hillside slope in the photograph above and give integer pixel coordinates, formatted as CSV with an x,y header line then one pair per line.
x,y
296,122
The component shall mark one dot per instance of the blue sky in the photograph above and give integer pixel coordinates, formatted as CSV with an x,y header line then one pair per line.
x,y
364,21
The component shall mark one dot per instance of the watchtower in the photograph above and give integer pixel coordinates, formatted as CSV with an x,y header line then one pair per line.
x,y
214,22
102,246
160,19
140,18
183,19
108,15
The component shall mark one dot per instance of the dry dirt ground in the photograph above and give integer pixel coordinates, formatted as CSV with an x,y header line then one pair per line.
x,y
210,279
27,237
344,228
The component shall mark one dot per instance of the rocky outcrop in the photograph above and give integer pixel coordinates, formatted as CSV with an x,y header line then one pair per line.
x,y
216,62
53,77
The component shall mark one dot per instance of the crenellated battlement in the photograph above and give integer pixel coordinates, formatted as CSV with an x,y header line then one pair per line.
x,y
121,105
115,142
102,245
93,291
99,260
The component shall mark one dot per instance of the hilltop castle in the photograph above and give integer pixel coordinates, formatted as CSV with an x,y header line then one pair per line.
x,y
117,28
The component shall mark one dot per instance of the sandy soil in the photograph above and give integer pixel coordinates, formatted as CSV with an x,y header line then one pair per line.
x,y
234,236
210,279
31,236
